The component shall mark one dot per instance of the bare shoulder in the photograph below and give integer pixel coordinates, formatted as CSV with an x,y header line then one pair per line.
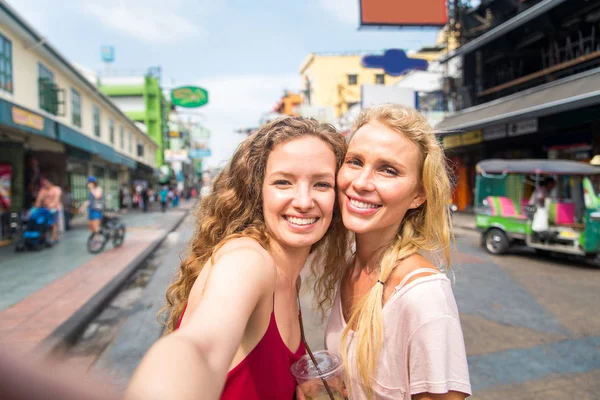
x,y
238,260
245,247
410,264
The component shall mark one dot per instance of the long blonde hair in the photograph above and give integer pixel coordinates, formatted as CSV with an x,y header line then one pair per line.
x,y
234,209
426,228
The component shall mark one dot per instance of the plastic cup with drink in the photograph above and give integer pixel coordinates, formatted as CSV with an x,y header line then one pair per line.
x,y
323,380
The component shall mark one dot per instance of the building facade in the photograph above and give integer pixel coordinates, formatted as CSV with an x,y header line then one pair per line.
x,y
527,86
54,123
289,104
334,80
141,99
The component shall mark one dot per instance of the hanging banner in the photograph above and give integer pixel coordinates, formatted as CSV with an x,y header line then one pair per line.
x,y
199,153
5,187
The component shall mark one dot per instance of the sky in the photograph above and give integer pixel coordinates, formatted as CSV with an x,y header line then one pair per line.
x,y
245,53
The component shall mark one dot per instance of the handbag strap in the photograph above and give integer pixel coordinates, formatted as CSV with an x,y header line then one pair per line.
x,y
303,338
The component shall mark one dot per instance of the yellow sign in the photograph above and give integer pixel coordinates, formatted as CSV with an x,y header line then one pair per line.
x,y
451,141
472,137
25,118
174,134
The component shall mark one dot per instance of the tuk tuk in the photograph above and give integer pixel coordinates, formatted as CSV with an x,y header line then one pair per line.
x,y
547,205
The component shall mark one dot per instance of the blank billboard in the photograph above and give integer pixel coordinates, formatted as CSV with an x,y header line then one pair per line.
x,y
403,13
373,95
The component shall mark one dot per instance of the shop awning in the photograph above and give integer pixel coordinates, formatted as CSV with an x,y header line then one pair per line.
x,y
570,93
80,141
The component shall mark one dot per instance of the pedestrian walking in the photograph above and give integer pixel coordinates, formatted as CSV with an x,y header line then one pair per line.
x,y
94,204
145,198
49,197
268,212
394,319
164,194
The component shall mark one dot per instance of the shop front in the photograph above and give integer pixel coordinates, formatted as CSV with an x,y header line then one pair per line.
x,y
463,151
27,146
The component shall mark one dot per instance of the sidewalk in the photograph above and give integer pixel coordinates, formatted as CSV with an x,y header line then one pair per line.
x,y
46,297
464,220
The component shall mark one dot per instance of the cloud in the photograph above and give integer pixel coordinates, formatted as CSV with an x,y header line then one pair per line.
x,y
345,11
152,21
238,102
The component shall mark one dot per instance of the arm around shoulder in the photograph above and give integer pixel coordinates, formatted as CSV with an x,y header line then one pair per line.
x,y
192,363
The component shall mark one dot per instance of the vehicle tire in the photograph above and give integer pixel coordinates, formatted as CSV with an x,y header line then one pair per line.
x,y
119,236
496,242
96,242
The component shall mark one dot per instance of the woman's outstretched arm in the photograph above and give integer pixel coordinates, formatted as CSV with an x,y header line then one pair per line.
x,y
192,363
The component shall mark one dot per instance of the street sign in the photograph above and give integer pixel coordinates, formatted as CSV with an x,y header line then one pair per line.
x,y
199,153
189,96
107,53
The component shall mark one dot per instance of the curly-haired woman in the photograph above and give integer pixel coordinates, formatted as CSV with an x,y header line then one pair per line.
x,y
394,319
233,312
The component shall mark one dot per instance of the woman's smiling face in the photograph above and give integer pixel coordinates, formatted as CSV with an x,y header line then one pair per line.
x,y
379,180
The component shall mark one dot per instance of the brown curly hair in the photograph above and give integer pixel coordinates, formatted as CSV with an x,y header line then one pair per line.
x,y
234,209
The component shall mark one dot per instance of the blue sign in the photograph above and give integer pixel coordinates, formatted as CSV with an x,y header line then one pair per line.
x,y
107,53
394,62
199,153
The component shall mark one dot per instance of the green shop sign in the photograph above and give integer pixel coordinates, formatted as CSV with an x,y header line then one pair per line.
x,y
189,96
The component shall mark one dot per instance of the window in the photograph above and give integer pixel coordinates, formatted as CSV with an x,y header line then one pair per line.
x,y
140,149
380,79
96,121
76,108
352,79
130,142
111,131
48,92
6,77
121,137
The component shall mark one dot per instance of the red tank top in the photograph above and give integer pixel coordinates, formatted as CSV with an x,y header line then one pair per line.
x,y
265,372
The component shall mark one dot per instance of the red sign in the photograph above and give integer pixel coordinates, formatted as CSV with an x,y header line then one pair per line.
x,y
403,13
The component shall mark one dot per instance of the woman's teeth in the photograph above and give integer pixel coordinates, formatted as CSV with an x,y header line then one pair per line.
x,y
360,204
301,221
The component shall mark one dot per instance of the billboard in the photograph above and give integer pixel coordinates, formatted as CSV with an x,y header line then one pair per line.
x,y
373,95
174,155
324,114
403,13
107,53
394,62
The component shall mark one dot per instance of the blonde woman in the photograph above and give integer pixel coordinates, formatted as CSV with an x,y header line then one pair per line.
x,y
394,319
233,314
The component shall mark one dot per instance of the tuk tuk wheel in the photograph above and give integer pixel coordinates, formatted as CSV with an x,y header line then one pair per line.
x,y
496,241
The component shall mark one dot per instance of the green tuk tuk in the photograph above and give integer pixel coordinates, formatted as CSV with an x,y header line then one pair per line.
x,y
547,205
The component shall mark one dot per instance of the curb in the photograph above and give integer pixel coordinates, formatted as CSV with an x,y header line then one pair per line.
x,y
68,332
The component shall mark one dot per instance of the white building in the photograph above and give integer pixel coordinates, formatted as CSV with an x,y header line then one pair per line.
x,y
54,122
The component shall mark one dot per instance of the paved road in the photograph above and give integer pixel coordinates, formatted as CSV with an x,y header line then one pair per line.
x,y
531,324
